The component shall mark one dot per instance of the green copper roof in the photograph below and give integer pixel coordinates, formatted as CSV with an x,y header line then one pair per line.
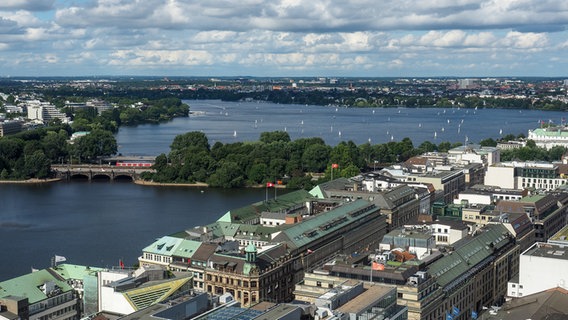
x,y
533,198
253,211
172,246
550,132
71,271
322,224
29,286
459,262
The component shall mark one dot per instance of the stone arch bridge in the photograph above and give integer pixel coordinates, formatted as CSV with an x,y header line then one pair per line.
x,y
98,172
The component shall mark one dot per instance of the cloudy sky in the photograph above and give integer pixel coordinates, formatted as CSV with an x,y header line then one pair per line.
x,y
284,37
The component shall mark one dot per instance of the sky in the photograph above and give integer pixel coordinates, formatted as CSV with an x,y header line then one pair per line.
x,y
302,38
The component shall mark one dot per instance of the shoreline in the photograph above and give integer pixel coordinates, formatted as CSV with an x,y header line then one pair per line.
x,y
165,184
30,181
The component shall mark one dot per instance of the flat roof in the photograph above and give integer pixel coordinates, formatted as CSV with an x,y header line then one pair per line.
x,y
547,250
560,236
363,301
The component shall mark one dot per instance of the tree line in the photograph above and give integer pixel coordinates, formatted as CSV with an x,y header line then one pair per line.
x,y
275,157
30,154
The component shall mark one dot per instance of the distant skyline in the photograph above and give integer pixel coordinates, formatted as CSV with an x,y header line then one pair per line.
x,y
350,38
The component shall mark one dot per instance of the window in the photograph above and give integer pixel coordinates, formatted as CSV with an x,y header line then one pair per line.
x,y
318,283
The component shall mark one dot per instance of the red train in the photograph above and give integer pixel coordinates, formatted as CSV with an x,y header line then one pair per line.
x,y
134,164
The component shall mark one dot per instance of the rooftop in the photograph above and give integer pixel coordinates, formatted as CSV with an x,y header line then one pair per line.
x,y
561,236
28,285
470,254
324,223
547,250
366,299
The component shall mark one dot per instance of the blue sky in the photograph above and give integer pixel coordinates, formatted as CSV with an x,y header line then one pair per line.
x,y
403,38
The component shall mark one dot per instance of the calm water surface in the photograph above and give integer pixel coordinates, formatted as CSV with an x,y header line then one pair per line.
x,y
99,223
229,122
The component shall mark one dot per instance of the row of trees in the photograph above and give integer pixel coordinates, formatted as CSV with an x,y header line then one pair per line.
x,y
155,111
30,154
275,157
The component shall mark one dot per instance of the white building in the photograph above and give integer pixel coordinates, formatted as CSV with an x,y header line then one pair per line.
x,y
43,111
444,232
487,195
473,153
549,137
126,292
543,266
525,175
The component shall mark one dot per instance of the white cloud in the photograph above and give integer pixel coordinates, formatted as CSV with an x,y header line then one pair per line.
x,y
261,36
31,5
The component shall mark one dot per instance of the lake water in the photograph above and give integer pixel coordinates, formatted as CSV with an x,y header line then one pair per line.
x,y
229,122
100,223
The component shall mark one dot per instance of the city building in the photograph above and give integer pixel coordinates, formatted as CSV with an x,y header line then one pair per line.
x,y
350,299
509,145
548,212
488,195
460,282
243,254
548,304
447,183
400,204
525,175
40,295
124,292
181,307
43,111
473,153
549,137
543,266
8,127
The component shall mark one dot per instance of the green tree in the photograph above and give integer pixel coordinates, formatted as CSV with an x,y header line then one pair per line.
x,y
228,175
444,146
531,144
194,140
269,137
55,145
555,153
350,171
37,165
258,173
315,157
427,146
96,144
489,142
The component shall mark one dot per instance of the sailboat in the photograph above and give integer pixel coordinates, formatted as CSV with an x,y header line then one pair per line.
x,y
235,134
435,134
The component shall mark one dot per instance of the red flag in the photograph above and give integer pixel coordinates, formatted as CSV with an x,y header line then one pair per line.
x,y
121,264
334,166
269,184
